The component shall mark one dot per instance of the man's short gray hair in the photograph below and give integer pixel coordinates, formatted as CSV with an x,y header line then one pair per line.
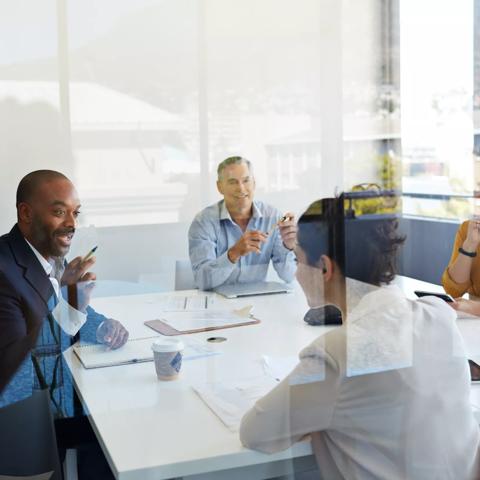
x,y
232,161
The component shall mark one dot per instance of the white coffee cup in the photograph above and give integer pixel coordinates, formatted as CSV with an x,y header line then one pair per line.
x,y
167,354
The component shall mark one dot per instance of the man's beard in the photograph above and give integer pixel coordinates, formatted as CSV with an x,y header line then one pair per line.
x,y
45,240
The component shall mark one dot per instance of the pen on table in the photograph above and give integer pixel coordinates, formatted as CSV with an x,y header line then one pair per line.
x,y
89,254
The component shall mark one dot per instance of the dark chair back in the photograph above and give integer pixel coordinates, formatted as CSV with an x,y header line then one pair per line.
x,y
28,445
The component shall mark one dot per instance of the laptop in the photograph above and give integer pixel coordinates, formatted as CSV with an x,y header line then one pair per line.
x,y
236,290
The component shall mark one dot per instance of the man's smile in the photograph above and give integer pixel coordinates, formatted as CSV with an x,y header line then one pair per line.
x,y
65,238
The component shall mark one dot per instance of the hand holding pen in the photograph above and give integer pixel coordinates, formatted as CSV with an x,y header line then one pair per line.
x,y
79,280
77,270
288,230
277,224
250,241
89,254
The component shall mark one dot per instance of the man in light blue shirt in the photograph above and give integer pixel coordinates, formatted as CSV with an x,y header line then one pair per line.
x,y
233,240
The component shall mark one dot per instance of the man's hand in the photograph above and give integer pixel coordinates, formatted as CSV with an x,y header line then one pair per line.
x,y
79,282
77,271
473,236
250,241
288,231
112,333
472,307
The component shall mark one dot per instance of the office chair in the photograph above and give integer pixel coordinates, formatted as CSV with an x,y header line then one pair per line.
x,y
28,447
183,275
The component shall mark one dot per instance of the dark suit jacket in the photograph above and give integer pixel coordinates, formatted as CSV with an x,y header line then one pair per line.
x,y
26,299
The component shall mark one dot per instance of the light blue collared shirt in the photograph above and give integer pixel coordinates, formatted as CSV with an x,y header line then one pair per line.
x,y
213,232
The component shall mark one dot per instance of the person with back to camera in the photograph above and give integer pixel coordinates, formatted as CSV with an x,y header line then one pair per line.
x,y
387,394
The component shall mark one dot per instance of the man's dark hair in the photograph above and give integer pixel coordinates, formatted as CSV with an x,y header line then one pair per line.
x,y
364,248
30,183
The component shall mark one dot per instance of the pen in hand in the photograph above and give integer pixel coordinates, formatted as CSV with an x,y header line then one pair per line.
x,y
89,254
275,225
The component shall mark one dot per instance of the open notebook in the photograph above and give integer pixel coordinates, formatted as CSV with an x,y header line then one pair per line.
x,y
134,351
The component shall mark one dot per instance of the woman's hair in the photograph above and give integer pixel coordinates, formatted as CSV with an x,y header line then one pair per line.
x,y
364,248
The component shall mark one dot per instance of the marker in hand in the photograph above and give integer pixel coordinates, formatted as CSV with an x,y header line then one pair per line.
x,y
89,254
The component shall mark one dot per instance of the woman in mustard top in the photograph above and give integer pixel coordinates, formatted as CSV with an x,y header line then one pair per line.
x,y
463,272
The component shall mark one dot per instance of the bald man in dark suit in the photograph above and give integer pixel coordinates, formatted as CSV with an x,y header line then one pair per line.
x,y
37,317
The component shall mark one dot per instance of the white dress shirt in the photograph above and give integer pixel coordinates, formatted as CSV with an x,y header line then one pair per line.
x,y
69,319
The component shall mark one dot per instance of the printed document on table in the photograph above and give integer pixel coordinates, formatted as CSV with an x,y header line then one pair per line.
x,y
231,400
279,367
184,321
187,303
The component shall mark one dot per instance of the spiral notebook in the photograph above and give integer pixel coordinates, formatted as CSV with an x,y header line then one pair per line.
x,y
134,351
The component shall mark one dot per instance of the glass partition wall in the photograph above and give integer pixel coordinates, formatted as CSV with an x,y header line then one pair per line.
x,y
138,101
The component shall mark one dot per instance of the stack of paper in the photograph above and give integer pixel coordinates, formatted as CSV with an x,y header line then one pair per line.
x,y
184,321
231,400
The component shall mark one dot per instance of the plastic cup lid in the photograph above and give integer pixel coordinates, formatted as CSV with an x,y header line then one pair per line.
x,y
167,345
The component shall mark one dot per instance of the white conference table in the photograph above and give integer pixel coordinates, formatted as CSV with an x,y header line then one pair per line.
x,y
150,429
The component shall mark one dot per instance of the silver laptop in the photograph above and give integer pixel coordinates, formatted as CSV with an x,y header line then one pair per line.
x,y
236,290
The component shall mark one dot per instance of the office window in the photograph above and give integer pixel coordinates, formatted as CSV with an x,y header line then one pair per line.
x,y
161,92
138,101
411,125
134,108
153,94
371,94
144,98
437,128
32,133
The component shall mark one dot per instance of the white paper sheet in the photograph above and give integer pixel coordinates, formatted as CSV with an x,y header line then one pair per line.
x,y
183,321
188,303
231,400
279,367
